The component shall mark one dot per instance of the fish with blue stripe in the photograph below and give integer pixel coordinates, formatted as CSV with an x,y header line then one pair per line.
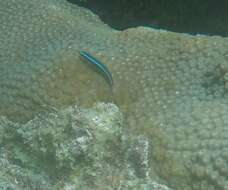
x,y
100,66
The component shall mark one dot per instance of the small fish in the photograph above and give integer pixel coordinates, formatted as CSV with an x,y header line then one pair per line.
x,y
100,66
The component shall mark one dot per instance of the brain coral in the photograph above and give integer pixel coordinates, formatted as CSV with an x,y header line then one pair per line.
x,y
175,83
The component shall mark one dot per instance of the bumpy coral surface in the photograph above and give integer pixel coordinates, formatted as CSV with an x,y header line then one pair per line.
x,y
174,84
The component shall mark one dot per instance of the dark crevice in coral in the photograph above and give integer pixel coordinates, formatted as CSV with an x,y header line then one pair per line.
x,y
191,16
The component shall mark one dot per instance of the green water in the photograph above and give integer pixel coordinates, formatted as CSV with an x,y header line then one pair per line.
x,y
161,125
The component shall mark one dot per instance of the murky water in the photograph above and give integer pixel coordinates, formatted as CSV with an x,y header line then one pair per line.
x,y
145,108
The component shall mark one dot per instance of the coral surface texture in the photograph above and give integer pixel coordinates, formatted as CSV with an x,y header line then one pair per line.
x,y
171,88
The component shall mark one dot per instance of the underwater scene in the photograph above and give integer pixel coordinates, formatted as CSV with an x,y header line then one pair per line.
x,y
113,95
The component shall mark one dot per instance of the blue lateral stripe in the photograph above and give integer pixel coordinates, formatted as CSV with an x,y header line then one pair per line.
x,y
101,66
